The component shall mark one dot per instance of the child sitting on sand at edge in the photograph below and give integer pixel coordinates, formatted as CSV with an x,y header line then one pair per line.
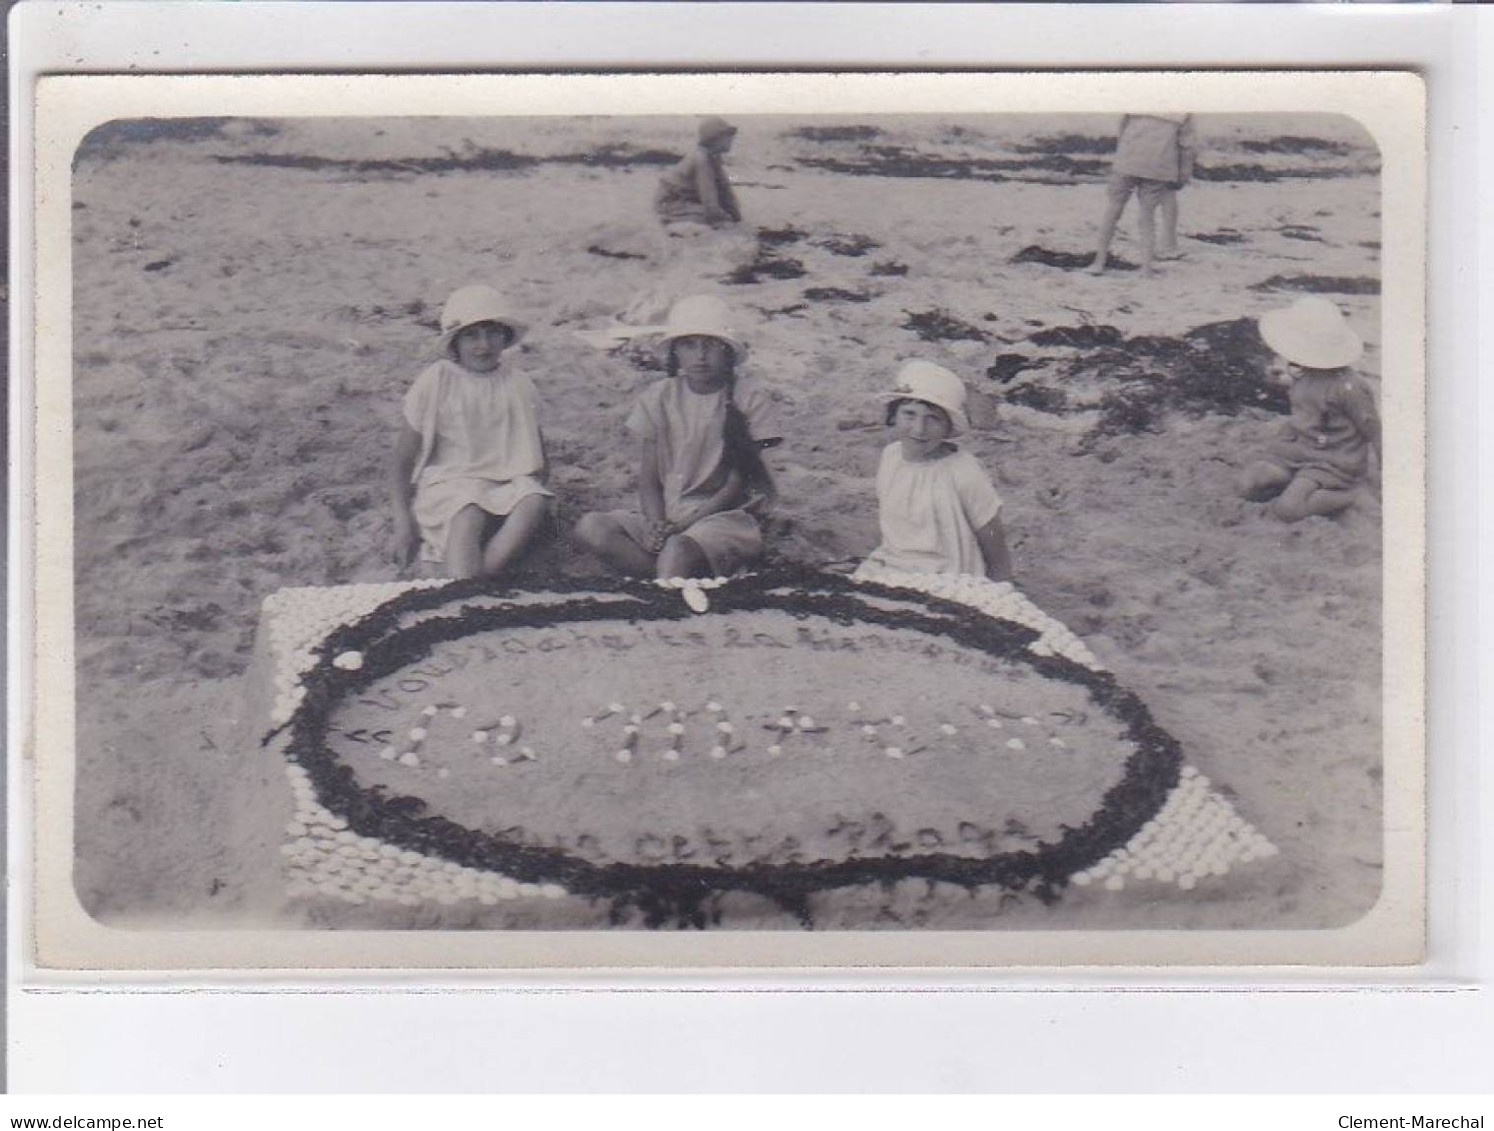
x,y
697,190
1321,452
1154,159
701,475
938,511
467,479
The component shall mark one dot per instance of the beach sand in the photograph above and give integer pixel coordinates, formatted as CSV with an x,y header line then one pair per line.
x,y
252,299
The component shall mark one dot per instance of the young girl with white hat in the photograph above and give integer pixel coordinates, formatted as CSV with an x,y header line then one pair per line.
x,y
938,511
468,477
1321,452
701,476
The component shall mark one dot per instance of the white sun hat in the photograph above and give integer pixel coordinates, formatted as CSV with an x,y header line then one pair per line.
x,y
703,316
1312,333
924,381
470,305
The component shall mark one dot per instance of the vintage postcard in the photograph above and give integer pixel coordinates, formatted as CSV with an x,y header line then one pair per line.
x,y
813,521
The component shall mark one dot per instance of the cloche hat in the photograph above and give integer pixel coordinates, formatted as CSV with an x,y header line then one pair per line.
x,y
701,316
924,381
470,305
1312,333
714,127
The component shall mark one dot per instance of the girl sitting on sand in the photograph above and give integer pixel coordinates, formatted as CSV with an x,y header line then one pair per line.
x,y
1153,159
468,477
697,190
939,512
1321,452
701,476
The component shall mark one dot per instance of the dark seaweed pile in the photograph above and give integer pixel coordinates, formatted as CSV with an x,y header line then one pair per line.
x,y
941,326
678,893
474,159
1216,368
1068,260
1320,284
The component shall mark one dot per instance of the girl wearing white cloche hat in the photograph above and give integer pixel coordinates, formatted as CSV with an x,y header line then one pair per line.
x,y
468,476
1322,451
702,482
936,506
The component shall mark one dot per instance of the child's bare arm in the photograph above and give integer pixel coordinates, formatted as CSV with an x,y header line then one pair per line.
x,y
993,548
730,494
715,190
406,537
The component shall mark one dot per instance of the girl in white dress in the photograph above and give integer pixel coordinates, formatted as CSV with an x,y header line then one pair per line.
x,y
468,476
939,512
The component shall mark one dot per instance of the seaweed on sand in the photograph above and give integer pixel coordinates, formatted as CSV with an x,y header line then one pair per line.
x,y
1320,284
941,326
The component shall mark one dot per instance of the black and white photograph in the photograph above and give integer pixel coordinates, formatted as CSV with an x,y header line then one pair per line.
x,y
979,530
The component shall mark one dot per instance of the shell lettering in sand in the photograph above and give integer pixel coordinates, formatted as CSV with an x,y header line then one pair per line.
x,y
776,781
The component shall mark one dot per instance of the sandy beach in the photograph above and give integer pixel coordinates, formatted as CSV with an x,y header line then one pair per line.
x,y
253,298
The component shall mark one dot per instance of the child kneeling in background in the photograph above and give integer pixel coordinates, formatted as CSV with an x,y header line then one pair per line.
x,y
1321,452
938,511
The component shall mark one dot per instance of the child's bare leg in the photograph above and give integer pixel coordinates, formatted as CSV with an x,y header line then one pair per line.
x,y
1146,221
605,537
1261,481
1167,247
516,533
464,541
681,557
1304,498
1114,206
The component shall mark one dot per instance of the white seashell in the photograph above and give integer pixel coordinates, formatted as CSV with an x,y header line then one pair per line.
x,y
893,751
696,600
417,734
994,724
806,723
1029,720
869,730
1015,744
1058,742
676,728
349,661
948,728
616,708
479,736
784,723
718,752
1083,879
430,711
504,739
552,891
498,760
624,756
409,758
725,727
459,712
507,722
668,706
774,750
